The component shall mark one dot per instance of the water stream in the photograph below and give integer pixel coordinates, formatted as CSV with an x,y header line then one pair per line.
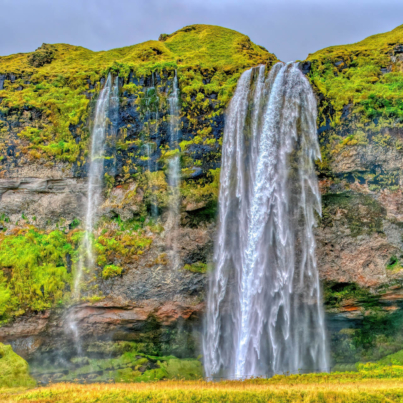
x,y
174,172
264,312
105,118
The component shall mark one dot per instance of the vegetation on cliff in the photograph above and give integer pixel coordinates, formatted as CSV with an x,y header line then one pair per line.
x,y
37,267
366,76
360,92
56,83
34,271
118,362
14,370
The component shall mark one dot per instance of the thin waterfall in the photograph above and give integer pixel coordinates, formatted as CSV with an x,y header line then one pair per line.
x,y
174,170
150,146
105,118
264,309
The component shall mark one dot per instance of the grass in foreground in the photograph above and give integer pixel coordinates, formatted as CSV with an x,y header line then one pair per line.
x,y
384,385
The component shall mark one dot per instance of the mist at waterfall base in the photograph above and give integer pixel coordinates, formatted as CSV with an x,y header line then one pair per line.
x,y
264,313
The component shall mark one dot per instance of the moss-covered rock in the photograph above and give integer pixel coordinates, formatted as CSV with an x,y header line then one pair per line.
x,y
49,92
116,362
362,78
47,105
14,370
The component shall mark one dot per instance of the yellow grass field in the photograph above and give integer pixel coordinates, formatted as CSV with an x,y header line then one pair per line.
x,y
333,388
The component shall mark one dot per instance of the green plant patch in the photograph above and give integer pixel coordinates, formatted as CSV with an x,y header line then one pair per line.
x,y
33,271
57,81
198,267
14,370
365,76
111,271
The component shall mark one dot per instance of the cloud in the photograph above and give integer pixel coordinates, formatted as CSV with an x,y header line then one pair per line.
x,y
289,28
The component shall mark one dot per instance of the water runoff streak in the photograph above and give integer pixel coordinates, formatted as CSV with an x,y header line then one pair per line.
x,y
105,115
174,171
264,313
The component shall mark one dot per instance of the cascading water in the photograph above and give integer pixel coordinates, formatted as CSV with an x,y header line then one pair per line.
x,y
151,105
264,313
174,172
105,119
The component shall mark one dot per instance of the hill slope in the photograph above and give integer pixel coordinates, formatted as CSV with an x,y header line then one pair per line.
x,y
58,81
364,76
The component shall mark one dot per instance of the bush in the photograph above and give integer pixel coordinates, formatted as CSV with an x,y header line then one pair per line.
x,y
14,370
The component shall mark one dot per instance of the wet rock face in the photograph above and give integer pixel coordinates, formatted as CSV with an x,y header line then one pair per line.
x,y
151,302
48,200
359,237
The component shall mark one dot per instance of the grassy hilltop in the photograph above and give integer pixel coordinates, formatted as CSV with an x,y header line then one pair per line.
x,y
56,80
366,76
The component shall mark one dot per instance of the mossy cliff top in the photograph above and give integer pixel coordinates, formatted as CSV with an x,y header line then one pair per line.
x,y
51,89
364,78
194,45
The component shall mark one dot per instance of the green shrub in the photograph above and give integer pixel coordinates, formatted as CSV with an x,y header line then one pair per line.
x,y
14,370
33,271
111,271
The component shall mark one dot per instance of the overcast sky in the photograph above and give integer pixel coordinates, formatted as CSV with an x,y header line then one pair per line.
x,y
289,28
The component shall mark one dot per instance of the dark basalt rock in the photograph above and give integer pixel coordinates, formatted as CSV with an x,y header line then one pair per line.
x,y
398,49
305,67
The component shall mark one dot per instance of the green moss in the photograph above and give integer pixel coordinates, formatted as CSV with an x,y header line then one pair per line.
x,y
119,362
351,75
394,263
337,293
111,271
33,271
14,370
393,359
203,190
121,245
43,55
198,267
188,369
55,80
361,213
155,188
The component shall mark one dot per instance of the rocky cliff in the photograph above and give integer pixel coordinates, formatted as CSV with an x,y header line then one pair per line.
x,y
359,90
47,103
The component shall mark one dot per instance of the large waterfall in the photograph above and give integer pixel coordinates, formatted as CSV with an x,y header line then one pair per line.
x,y
264,313
174,171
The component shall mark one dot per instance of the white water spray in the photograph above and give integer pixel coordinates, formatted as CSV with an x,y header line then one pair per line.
x,y
174,171
105,116
264,312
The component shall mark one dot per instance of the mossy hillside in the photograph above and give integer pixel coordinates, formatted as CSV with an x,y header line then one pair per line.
x,y
14,370
34,271
116,245
208,59
377,334
367,75
37,267
198,267
359,88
